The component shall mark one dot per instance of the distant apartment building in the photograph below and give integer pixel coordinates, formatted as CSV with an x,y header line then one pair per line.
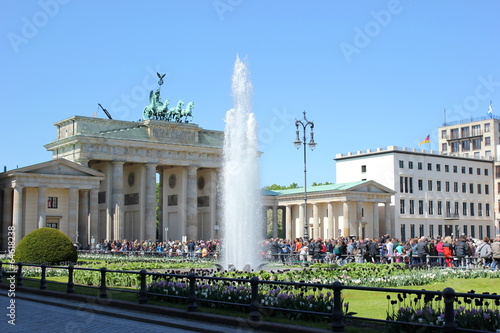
x,y
435,194
478,138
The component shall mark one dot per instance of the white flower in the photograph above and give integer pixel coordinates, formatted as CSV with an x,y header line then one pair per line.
x,y
420,320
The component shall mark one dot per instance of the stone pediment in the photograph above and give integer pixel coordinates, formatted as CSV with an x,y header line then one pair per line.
x,y
372,187
61,167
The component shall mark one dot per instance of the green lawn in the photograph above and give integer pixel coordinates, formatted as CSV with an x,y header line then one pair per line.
x,y
374,304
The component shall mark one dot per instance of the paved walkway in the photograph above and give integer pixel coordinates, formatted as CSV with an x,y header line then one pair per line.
x,y
39,313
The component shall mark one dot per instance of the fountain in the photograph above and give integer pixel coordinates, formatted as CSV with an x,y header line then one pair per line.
x,y
242,224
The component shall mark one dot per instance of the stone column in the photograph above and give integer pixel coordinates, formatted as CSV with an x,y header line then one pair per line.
x,y
17,213
316,232
7,216
275,221
83,218
300,225
94,217
42,207
117,201
192,203
288,222
346,225
73,215
331,227
388,225
150,206
213,203
161,223
376,226
359,218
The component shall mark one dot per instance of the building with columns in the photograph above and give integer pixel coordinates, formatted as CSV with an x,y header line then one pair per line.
x,y
102,182
360,209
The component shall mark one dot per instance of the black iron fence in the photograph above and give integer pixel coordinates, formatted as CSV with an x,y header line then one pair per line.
x,y
256,309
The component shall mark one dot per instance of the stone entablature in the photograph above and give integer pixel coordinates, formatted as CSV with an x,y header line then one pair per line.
x,y
83,139
405,149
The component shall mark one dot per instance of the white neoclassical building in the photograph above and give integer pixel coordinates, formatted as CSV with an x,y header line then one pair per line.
x,y
435,194
359,208
102,182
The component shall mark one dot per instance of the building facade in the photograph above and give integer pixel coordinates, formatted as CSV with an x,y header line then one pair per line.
x,y
435,194
479,138
360,208
123,161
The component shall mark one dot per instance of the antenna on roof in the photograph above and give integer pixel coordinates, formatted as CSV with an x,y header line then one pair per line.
x,y
105,111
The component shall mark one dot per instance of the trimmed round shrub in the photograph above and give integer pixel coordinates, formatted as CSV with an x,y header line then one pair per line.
x,y
45,246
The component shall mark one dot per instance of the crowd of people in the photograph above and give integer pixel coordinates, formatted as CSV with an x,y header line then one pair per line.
x,y
439,251
446,251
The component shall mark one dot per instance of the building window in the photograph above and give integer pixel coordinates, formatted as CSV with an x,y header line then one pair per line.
x,y
363,168
486,189
487,154
412,206
447,186
52,225
487,208
420,185
412,231
465,132
431,207
444,147
440,208
472,212
479,189
446,168
486,172
456,208
401,184
419,165
438,167
471,171
420,207
431,230
455,147
476,130
476,144
464,208
454,133
403,231
455,187
429,166
410,165
473,231
488,231
479,209
438,185
466,145
52,202
429,185
401,164
479,171
448,208
465,230
443,134
440,230
487,127
421,230
464,188
463,169
487,141
471,188
402,206
481,232
455,169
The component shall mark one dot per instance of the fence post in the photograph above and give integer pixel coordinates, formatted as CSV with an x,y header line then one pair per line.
x,y
43,279
1,274
337,314
71,285
102,288
19,274
143,293
449,316
254,314
192,306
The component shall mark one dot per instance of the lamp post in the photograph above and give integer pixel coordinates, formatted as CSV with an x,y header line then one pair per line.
x,y
297,143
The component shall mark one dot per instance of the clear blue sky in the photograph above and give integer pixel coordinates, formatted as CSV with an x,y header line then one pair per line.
x,y
369,73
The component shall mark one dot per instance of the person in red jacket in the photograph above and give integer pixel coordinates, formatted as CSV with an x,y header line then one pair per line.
x,y
448,251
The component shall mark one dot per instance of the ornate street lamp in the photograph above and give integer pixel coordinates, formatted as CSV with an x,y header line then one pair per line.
x,y
298,142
